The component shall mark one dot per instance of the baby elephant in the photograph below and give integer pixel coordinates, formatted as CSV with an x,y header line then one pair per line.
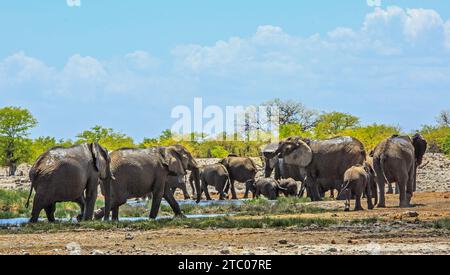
x,y
215,175
356,182
268,187
291,187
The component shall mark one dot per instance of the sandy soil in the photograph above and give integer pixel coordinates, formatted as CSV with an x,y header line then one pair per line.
x,y
399,234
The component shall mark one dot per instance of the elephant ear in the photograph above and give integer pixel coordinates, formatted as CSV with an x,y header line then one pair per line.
x,y
301,156
420,147
174,163
100,161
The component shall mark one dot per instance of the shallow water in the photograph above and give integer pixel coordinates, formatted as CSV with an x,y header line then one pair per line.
x,y
22,221
191,202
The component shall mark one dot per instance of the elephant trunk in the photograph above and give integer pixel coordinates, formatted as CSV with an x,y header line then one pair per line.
x,y
107,194
196,176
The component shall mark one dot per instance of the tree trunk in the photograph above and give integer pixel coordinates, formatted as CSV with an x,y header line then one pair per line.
x,y
12,169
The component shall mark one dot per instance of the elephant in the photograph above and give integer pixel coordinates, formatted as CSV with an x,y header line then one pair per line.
x,y
282,170
240,169
396,160
214,175
69,175
141,172
290,185
356,183
372,182
268,187
176,182
324,161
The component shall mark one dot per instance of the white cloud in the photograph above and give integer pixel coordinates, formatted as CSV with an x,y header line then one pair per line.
x,y
142,60
73,3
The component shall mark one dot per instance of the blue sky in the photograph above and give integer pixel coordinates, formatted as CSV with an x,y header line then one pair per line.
x,y
126,64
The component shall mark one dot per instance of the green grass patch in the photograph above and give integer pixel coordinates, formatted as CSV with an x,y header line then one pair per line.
x,y
442,224
220,222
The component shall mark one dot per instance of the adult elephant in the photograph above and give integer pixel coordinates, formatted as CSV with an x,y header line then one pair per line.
x,y
396,160
239,169
69,175
282,170
323,160
141,172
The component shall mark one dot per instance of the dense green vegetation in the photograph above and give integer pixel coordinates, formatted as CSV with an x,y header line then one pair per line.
x,y
295,119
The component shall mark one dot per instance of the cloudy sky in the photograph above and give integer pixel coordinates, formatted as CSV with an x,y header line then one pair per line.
x,y
126,64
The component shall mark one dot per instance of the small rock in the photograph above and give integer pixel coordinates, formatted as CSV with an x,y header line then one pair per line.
x,y
97,252
248,253
282,241
333,242
333,250
225,251
129,237
412,214
26,253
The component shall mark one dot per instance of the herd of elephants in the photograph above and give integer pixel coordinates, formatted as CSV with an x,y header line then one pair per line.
x,y
74,174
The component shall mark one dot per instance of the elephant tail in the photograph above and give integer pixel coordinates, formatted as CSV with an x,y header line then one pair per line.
x,y
29,196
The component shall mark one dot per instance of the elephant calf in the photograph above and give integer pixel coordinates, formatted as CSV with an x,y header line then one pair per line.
x,y
356,182
214,175
291,187
268,187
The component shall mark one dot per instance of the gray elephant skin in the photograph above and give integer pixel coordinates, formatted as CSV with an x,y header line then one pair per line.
x,y
268,187
324,161
240,169
396,160
282,170
289,187
357,181
179,182
69,175
141,172
215,175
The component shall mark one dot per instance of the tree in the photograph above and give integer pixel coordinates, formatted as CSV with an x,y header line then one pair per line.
x,y
292,112
14,126
446,145
219,152
107,137
331,124
444,118
371,135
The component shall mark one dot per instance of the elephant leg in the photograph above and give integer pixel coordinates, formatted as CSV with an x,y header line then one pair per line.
x,y
81,203
173,204
246,192
347,200
185,192
37,207
158,193
397,188
233,191
410,186
205,189
91,197
50,212
115,213
358,206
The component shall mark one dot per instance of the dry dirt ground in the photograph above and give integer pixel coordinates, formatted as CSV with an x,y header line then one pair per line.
x,y
398,233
